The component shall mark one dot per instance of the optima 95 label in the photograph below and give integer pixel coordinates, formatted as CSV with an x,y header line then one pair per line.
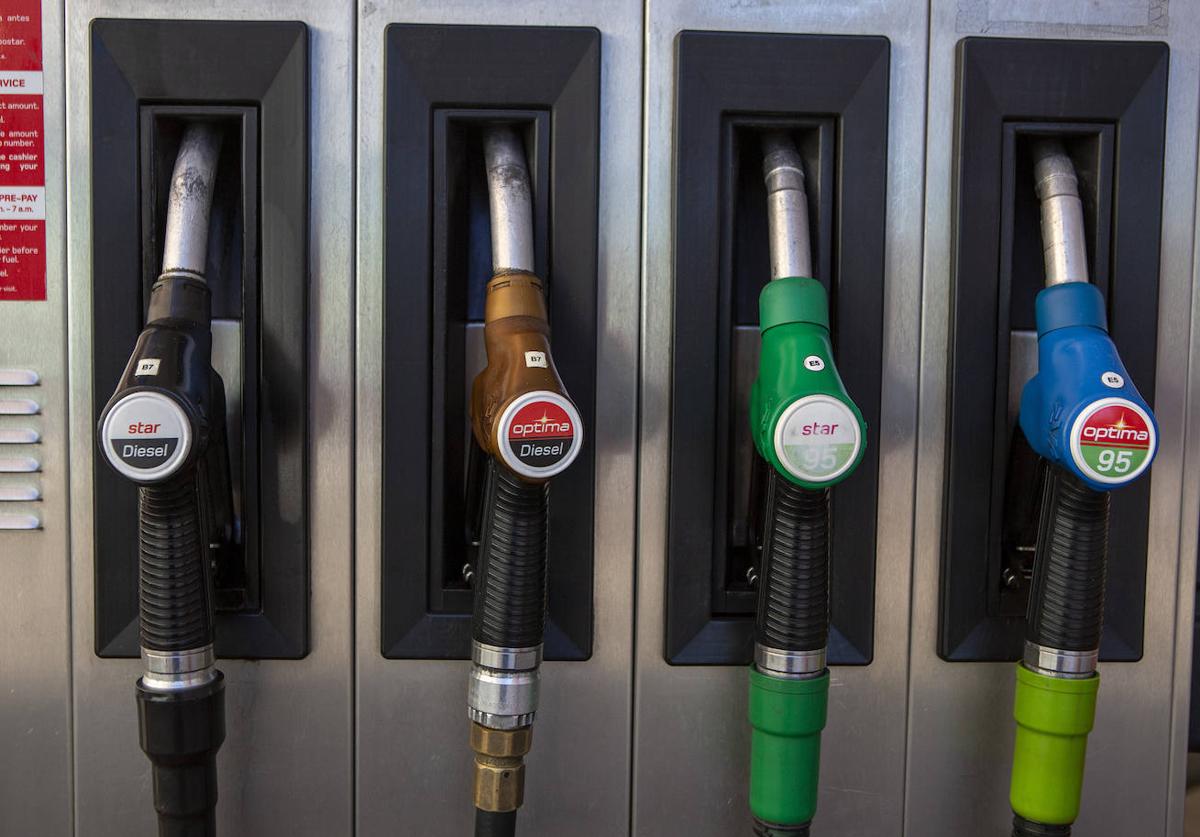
x,y
1113,441
146,436
540,434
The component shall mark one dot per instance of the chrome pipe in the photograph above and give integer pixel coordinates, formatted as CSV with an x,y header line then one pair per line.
x,y
509,199
787,207
188,207
1064,242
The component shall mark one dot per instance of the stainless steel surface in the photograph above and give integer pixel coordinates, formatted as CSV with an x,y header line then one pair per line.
x,y
14,521
18,378
286,767
19,436
18,465
185,241
508,659
502,699
1136,755
168,671
586,706
509,200
691,739
1022,366
787,207
1059,663
37,775
19,493
19,406
779,663
1064,243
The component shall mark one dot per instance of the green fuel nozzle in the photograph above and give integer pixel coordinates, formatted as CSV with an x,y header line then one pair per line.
x,y
813,436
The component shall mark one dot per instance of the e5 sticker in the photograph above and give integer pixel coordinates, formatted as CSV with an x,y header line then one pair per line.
x,y
1113,441
540,434
817,438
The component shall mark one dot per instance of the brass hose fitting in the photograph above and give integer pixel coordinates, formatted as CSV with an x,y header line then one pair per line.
x,y
499,780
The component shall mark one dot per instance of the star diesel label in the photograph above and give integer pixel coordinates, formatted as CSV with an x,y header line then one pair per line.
x,y
22,153
540,434
1113,441
817,438
146,436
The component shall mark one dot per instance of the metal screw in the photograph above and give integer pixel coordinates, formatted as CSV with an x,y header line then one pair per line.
x,y
752,575
1011,579
468,573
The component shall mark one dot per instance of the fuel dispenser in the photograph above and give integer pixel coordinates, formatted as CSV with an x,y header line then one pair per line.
x,y
1083,415
813,436
529,429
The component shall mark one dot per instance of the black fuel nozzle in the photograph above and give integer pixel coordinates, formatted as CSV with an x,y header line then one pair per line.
x,y
164,429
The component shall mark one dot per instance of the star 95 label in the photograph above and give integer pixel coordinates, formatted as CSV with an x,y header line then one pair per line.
x,y
1113,441
817,438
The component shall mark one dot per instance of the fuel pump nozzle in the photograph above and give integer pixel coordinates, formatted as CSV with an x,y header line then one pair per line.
x,y
812,435
1083,415
523,420
164,429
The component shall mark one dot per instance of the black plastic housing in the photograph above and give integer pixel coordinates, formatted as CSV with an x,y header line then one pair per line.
x,y
831,93
442,84
252,79
1107,101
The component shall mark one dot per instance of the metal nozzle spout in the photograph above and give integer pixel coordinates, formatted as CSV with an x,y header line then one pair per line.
x,y
509,199
186,240
1064,244
787,207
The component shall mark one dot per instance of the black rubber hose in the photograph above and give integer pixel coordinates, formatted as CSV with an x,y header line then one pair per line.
x,y
176,608
1027,828
510,587
1066,603
495,823
793,595
181,732
766,829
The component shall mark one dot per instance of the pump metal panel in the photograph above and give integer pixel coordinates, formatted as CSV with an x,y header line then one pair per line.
x,y
285,767
960,728
35,573
412,761
691,736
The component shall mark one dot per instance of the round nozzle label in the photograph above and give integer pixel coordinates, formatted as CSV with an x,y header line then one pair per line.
x,y
817,439
1113,441
540,434
146,436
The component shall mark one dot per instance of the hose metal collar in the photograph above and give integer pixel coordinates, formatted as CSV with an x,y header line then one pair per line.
x,y
1056,662
506,659
793,664
168,671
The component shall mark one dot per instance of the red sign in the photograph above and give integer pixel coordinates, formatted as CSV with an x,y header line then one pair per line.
x,y
22,153
1116,426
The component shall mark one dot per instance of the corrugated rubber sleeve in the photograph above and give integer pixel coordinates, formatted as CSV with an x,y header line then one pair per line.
x,y
1066,603
793,597
510,597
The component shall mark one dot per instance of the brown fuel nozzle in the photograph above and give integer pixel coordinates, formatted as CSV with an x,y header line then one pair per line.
x,y
517,339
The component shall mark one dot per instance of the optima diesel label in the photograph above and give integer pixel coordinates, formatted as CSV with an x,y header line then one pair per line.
x,y
540,434
1113,441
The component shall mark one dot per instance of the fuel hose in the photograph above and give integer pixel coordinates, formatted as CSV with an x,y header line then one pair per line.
x,y
155,431
812,434
1094,431
530,430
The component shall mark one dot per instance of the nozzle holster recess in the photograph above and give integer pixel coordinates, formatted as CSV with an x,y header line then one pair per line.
x,y
787,717
515,328
181,732
1054,716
